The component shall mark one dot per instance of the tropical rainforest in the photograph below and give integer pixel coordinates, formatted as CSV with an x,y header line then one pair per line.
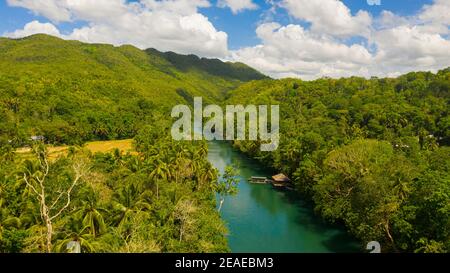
x,y
160,198
371,154
72,92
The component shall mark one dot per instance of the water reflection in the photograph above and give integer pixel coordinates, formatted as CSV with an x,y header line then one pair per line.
x,y
263,219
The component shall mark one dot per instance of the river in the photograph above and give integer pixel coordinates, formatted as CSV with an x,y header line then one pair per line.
x,y
262,219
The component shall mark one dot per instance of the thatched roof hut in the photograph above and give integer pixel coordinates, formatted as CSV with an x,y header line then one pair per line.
x,y
281,178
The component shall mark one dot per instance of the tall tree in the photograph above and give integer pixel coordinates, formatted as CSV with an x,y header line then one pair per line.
x,y
53,197
227,184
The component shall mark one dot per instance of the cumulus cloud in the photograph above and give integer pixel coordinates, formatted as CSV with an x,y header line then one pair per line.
x,y
293,51
415,42
329,16
237,6
54,10
172,25
405,48
436,17
388,19
392,44
34,27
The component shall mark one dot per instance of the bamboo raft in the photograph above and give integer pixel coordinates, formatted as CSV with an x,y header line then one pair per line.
x,y
259,180
278,181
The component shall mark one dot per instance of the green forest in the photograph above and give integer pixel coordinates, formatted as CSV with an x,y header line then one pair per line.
x,y
72,92
159,199
372,155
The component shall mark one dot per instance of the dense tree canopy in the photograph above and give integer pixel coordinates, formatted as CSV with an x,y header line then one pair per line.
x,y
160,199
373,154
71,92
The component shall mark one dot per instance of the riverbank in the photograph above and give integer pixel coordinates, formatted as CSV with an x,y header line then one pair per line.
x,y
260,218
263,219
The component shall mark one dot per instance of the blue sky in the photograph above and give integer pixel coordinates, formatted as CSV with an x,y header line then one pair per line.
x,y
239,27
300,38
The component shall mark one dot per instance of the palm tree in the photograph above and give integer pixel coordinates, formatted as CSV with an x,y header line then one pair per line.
x,y
127,201
7,152
134,164
160,171
101,130
117,157
207,174
182,168
202,151
29,214
91,215
7,220
75,230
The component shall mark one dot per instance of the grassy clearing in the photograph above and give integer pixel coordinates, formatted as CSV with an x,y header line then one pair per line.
x,y
95,147
108,146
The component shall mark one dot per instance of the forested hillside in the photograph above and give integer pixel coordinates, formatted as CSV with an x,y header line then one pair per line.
x,y
72,92
372,154
159,198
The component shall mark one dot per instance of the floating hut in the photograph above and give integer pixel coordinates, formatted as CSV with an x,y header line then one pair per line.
x,y
258,180
281,180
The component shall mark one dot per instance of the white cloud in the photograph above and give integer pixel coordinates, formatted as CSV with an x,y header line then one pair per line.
x,y
48,8
415,42
237,6
405,48
329,16
173,25
162,30
393,44
183,7
436,17
388,19
34,27
437,12
293,51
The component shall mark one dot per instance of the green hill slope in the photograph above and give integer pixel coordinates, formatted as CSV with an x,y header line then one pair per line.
x,y
192,63
70,91
372,154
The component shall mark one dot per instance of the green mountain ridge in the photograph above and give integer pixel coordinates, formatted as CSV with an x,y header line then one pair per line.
x,y
79,91
215,67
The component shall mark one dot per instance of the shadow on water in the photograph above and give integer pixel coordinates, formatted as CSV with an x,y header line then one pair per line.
x,y
342,243
336,238
263,219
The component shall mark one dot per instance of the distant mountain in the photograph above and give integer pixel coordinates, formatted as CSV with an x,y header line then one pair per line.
x,y
78,91
215,67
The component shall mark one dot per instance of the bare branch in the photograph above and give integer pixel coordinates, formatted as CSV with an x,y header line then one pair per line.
x,y
56,200
69,191
47,166
30,185
39,190
40,198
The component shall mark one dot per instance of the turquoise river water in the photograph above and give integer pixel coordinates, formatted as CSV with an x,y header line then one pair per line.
x,y
263,219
